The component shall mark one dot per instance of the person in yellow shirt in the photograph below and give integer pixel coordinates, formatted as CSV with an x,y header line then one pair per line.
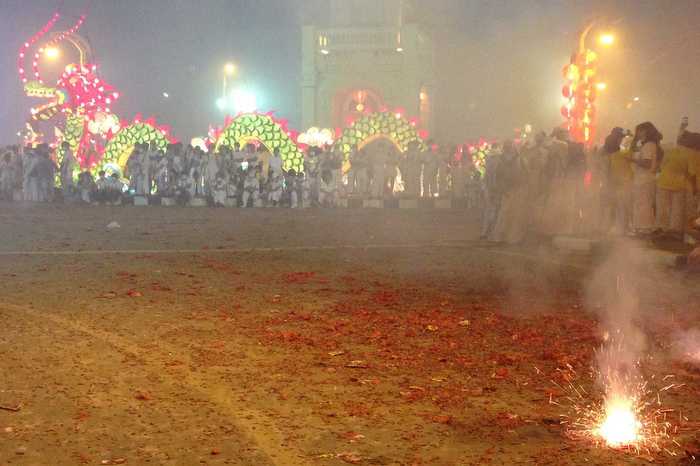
x,y
620,179
599,166
690,144
671,188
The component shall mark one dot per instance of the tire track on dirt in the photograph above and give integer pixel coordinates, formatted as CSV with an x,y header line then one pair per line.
x,y
107,252
257,427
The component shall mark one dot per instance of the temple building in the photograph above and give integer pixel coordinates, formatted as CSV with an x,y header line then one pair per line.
x,y
363,56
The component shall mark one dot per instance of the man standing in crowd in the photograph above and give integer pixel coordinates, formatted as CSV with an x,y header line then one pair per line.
x,y
68,165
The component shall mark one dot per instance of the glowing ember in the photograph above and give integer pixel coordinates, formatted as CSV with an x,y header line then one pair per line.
x,y
620,426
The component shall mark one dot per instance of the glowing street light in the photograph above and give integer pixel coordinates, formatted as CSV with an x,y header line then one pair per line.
x,y
52,53
636,99
601,86
607,39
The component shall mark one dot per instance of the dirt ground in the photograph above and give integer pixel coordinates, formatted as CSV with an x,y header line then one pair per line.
x,y
275,337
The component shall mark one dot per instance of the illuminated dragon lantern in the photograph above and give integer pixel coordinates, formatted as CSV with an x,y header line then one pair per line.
x,y
78,104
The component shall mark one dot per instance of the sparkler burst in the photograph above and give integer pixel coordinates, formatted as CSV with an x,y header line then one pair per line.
x,y
620,426
626,415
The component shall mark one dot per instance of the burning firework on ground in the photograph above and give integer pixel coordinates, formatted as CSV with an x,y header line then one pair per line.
x,y
627,414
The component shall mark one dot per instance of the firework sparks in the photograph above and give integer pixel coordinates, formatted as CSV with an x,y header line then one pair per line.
x,y
627,415
620,426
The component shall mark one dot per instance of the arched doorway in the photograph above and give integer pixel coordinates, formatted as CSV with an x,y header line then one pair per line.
x,y
351,104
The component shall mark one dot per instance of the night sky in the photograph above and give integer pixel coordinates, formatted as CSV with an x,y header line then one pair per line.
x,y
499,61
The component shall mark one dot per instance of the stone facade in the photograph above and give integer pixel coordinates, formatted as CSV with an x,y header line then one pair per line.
x,y
367,63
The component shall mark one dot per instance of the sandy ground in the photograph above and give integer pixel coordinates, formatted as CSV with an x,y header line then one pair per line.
x,y
201,336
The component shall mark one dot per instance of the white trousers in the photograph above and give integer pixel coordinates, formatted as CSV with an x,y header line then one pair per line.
x,y
643,195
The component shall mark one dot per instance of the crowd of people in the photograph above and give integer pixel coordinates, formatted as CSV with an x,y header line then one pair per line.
x,y
249,176
541,184
632,185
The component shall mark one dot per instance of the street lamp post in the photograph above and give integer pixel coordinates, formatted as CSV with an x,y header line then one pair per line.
x,y
81,44
229,71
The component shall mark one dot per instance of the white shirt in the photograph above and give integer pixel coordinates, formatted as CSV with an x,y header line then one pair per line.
x,y
646,153
276,165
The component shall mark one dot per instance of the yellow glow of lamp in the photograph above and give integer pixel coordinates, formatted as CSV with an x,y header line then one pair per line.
x,y
607,39
52,53
601,86
229,69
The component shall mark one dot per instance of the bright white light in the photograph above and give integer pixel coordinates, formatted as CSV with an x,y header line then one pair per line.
x,y
399,49
316,137
51,52
221,103
620,426
201,143
229,69
636,99
325,51
607,39
166,95
243,101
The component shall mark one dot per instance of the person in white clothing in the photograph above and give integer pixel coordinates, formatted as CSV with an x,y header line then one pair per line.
x,y
7,177
251,186
645,162
68,164
275,180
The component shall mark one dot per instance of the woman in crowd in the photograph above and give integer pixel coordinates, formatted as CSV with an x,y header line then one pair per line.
x,y
603,178
646,158
620,179
512,223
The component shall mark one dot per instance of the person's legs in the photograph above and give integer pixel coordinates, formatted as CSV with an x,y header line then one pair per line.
x,y
691,210
623,203
352,181
663,209
490,215
643,207
677,214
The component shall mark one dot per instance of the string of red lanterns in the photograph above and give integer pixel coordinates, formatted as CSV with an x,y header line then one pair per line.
x,y
56,40
23,49
580,94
